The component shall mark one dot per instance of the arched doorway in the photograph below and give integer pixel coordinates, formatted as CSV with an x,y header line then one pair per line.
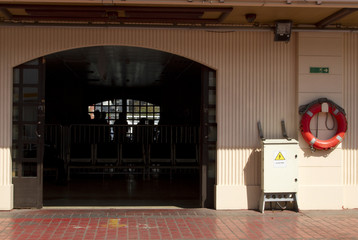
x,y
163,160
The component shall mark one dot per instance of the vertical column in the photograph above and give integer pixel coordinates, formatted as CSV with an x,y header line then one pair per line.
x,y
350,151
6,187
320,177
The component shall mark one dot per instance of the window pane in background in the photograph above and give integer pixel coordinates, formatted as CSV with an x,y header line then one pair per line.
x,y
112,116
29,113
212,79
212,133
15,113
16,77
212,155
212,115
30,150
30,94
29,132
212,97
30,76
29,169
15,151
15,95
15,132
135,110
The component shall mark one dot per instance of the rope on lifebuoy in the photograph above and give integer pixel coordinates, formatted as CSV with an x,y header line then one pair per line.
x,y
308,111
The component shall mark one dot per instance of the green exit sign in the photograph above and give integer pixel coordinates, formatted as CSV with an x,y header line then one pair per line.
x,y
319,70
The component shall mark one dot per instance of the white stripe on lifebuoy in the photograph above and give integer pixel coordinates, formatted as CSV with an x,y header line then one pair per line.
x,y
310,113
339,138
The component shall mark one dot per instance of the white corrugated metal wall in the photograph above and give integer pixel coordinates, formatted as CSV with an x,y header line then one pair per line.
x,y
350,98
256,81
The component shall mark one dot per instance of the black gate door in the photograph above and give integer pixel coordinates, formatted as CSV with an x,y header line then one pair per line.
x,y
208,137
28,133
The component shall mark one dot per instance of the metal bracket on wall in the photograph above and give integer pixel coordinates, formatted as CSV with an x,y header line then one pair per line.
x,y
284,133
260,131
283,128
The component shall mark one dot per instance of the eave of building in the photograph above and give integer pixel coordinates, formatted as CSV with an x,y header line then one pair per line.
x,y
230,14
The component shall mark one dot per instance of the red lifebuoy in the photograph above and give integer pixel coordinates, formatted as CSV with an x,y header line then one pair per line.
x,y
315,142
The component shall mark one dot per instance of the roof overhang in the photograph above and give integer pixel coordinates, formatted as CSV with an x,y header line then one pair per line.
x,y
304,14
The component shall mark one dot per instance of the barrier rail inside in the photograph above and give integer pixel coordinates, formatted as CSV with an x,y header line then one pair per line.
x,y
120,149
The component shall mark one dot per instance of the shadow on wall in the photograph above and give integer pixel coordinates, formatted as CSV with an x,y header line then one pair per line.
x,y
252,179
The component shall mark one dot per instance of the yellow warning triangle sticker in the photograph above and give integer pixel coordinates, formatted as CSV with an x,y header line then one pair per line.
x,y
280,156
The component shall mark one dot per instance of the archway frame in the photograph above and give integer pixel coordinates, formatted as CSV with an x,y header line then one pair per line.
x,y
21,58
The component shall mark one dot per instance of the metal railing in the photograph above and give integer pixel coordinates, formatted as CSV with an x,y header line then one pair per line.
x,y
89,133
73,138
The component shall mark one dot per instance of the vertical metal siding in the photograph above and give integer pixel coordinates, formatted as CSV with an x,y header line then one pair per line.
x,y
5,170
350,95
258,84
255,81
5,117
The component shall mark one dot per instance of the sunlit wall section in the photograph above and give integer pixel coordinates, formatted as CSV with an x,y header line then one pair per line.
x,y
350,144
257,84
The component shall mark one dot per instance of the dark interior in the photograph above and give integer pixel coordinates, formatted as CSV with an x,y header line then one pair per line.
x,y
152,164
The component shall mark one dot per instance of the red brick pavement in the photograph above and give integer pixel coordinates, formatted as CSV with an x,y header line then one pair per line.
x,y
177,224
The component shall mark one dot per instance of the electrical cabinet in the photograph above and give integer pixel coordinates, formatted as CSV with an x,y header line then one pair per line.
x,y
279,166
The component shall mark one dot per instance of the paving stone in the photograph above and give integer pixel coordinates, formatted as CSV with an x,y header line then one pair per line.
x,y
176,224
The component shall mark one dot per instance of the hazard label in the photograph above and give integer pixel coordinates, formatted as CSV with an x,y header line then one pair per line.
x,y
280,156
280,160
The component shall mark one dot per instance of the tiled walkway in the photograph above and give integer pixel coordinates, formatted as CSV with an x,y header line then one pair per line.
x,y
177,224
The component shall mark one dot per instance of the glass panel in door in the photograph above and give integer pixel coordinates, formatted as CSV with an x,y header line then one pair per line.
x,y
27,130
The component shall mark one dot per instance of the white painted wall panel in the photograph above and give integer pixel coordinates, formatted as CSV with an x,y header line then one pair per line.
x,y
320,172
314,46
350,90
323,83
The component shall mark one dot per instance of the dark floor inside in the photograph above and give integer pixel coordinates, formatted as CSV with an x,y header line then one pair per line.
x,y
181,189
